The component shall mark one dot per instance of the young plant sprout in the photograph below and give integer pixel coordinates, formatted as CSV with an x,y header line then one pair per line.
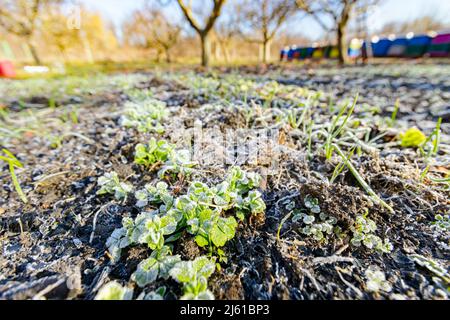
x,y
145,116
116,242
13,163
110,184
253,203
156,195
376,281
114,291
153,153
158,265
150,228
312,204
442,222
394,113
364,233
193,275
158,294
201,212
314,222
202,208
178,164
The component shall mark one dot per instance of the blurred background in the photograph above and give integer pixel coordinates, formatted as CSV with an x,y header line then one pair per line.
x,y
60,35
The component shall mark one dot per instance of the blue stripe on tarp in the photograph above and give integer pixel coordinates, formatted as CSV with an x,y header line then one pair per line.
x,y
381,48
420,41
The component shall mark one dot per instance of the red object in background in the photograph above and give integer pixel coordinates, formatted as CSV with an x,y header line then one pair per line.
x,y
7,69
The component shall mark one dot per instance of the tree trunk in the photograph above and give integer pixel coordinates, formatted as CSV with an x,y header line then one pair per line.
x,y
342,44
62,51
266,51
158,55
34,54
168,57
226,55
86,46
206,49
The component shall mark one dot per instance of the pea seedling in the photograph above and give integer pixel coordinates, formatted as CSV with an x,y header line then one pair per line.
x,y
110,184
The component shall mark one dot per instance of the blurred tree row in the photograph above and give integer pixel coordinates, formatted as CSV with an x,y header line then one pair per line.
x,y
53,24
215,28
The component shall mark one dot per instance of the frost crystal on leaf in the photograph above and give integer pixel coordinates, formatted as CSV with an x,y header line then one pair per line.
x,y
376,281
114,291
110,184
156,266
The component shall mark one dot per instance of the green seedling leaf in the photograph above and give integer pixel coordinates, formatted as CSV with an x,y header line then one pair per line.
x,y
114,291
13,163
116,242
110,184
156,266
223,231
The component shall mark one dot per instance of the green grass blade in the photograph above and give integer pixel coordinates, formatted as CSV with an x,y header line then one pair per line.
x,y
17,184
361,181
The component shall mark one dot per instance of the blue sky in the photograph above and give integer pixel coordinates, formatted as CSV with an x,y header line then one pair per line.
x,y
390,10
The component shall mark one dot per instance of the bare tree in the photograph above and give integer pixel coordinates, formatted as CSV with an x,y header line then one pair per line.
x,y
150,28
53,28
340,12
262,19
204,31
20,18
226,32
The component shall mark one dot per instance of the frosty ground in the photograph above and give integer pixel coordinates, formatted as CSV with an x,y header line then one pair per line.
x,y
68,132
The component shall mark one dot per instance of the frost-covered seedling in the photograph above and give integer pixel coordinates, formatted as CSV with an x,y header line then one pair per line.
x,y
116,242
156,228
156,195
158,294
442,222
179,163
312,204
238,188
145,116
201,212
148,228
139,95
376,281
320,230
210,228
203,218
114,291
253,203
156,266
364,233
202,208
110,184
193,275
315,223
241,181
153,152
